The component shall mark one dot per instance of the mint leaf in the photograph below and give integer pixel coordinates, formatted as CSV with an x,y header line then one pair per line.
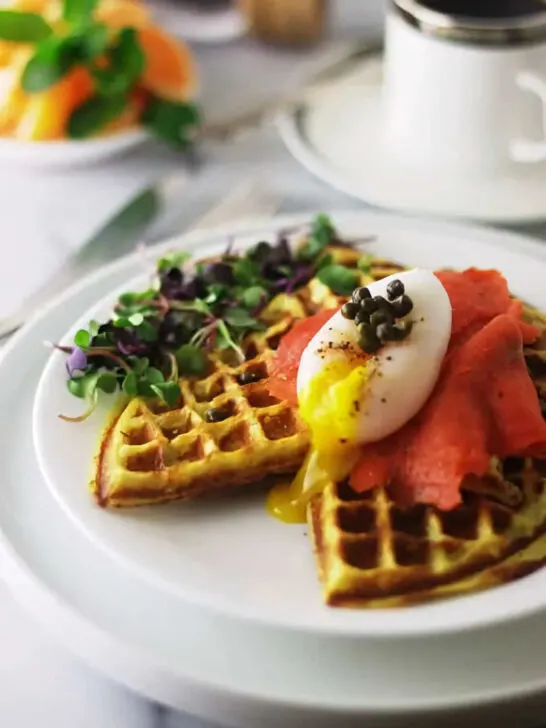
x,y
171,122
339,279
94,115
21,27
191,360
78,11
125,63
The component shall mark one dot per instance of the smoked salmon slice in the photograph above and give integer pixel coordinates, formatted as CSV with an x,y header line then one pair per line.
x,y
484,403
284,370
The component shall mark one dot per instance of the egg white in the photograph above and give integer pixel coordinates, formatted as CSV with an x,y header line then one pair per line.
x,y
404,373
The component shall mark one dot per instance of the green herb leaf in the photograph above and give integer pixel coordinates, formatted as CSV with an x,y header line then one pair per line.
x,y
140,365
107,382
240,319
131,299
125,63
91,41
171,122
78,11
94,115
169,392
325,261
322,234
253,296
51,61
154,376
21,27
147,331
82,339
246,272
191,360
339,279
365,263
93,327
84,387
130,384
173,260
224,340
217,292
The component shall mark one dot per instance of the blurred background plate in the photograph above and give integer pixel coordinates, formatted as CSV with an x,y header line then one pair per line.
x,y
65,153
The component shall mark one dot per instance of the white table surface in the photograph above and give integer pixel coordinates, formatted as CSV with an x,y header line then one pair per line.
x,y
44,215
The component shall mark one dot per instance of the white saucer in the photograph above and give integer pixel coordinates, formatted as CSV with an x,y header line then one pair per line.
x,y
225,668
337,136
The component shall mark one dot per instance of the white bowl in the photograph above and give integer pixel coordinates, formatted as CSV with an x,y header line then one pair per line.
x,y
68,153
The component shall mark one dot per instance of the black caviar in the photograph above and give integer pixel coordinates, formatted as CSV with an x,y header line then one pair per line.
x,y
376,316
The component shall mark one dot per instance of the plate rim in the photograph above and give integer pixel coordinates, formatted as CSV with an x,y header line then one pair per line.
x,y
527,246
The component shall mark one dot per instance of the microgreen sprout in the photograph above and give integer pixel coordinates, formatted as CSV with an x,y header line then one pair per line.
x,y
169,330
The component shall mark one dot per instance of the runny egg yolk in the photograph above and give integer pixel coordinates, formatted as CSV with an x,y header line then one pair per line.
x,y
329,404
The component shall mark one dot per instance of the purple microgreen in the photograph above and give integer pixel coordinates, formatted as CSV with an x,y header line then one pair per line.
x,y
167,330
76,362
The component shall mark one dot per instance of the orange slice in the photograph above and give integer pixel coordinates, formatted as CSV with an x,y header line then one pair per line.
x,y
169,71
123,14
46,114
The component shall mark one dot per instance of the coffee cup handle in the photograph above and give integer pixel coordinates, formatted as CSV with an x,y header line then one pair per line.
x,y
527,150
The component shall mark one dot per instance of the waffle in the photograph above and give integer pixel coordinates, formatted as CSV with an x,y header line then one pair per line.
x,y
150,453
371,553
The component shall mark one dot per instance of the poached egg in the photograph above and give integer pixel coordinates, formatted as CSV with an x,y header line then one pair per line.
x,y
349,398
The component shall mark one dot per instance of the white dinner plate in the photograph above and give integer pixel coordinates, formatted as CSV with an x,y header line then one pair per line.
x,y
220,667
228,555
337,135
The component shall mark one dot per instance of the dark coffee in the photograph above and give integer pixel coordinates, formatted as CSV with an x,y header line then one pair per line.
x,y
486,8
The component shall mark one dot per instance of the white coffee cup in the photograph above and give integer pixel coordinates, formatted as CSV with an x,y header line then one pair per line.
x,y
464,93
